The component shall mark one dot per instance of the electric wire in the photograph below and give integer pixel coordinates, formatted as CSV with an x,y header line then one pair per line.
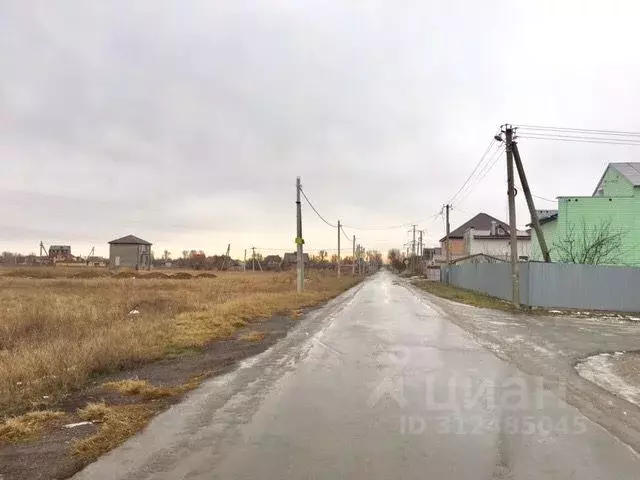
x,y
579,140
482,158
577,130
314,209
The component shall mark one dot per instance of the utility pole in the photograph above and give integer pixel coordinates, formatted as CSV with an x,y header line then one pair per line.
x,y
535,221
244,266
353,267
253,259
299,240
447,208
226,257
508,131
412,262
338,247
420,251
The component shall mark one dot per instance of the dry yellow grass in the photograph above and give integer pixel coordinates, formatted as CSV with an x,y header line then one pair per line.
x,y
26,427
57,332
143,389
116,424
253,336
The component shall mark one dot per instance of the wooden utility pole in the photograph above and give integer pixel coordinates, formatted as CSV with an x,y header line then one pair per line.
x,y
511,192
448,227
353,267
535,221
338,247
299,240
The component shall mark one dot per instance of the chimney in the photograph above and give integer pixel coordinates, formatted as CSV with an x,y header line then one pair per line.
x,y
493,227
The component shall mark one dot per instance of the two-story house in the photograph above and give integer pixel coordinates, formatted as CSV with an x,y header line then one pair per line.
x,y
611,214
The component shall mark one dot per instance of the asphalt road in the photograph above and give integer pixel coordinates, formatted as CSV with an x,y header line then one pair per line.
x,y
376,385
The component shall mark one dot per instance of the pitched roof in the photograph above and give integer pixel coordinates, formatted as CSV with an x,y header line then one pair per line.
x,y
129,240
481,221
293,257
629,170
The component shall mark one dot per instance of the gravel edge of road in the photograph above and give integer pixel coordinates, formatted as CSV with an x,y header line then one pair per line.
x,y
617,416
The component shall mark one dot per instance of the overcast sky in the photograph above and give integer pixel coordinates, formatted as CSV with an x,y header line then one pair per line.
x,y
186,122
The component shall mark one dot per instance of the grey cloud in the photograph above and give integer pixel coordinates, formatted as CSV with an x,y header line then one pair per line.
x,y
196,116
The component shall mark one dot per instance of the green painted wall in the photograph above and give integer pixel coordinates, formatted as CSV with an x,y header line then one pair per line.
x,y
623,212
616,200
549,231
615,185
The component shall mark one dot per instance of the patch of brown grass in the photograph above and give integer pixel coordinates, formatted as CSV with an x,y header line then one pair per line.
x,y
143,389
27,427
116,424
253,336
55,333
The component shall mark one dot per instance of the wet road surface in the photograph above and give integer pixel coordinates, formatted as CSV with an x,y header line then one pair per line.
x,y
376,385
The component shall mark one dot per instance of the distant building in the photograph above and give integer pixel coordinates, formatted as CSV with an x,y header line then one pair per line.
x,y
272,262
60,253
130,252
291,259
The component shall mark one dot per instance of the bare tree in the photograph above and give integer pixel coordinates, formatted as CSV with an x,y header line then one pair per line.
x,y
323,255
396,259
591,244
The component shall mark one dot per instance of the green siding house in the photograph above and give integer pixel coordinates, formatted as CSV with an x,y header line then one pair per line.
x,y
611,214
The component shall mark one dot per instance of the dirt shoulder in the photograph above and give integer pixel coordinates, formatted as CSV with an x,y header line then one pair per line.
x,y
550,346
86,363
51,456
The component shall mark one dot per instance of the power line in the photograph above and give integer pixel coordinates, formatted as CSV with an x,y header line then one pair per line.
x,y
482,158
563,138
314,209
483,173
578,130
542,198
345,234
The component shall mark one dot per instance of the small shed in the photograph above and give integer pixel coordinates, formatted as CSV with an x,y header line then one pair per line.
x,y
130,252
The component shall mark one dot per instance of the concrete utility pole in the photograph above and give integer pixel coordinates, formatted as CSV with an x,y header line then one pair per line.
x,y
353,267
508,131
420,250
253,258
299,240
447,208
338,247
413,250
532,208
244,266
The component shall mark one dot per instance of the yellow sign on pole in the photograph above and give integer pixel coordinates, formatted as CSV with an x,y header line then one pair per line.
x,y
299,241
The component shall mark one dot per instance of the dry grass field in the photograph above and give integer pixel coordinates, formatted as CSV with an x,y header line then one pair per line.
x,y
59,327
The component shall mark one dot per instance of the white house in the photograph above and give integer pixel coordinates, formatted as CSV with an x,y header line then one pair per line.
x,y
496,242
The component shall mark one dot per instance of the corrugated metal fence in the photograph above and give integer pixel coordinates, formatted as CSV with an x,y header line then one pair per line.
x,y
554,285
